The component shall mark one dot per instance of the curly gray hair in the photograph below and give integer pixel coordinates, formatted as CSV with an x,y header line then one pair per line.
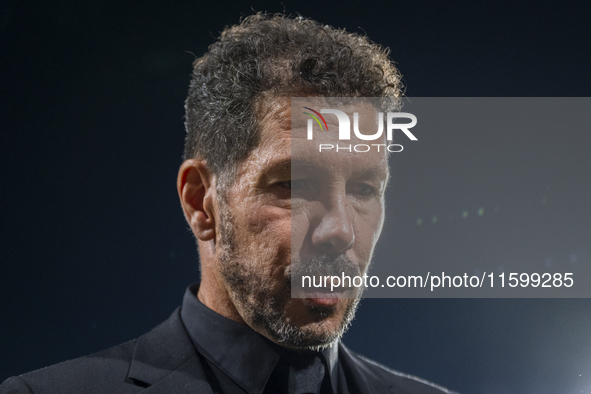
x,y
274,55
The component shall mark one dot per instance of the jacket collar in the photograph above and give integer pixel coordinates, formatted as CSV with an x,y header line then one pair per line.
x,y
165,360
245,356
242,354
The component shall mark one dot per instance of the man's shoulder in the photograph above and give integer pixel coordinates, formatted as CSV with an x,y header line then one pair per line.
x,y
376,375
92,373
125,368
166,359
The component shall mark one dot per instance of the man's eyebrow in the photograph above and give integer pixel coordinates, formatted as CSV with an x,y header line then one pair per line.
x,y
288,165
373,173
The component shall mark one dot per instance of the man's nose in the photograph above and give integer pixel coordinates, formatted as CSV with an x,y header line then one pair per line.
x,y
334,231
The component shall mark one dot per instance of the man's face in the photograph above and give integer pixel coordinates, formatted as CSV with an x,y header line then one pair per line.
x,y
289,208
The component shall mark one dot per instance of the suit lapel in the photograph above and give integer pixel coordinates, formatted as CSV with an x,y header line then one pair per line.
x,y
188,378
165,360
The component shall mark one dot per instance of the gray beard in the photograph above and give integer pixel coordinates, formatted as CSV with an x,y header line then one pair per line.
x,y
265,311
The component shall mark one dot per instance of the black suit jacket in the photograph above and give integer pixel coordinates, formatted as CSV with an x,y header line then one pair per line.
x,y
166,361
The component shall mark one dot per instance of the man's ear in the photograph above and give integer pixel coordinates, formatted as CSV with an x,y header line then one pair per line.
x,y
196,188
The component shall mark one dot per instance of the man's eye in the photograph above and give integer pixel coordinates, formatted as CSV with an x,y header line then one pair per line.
x,y
363,190
295,184
299,189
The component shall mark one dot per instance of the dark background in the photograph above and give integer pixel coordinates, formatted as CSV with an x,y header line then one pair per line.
x,y
94,247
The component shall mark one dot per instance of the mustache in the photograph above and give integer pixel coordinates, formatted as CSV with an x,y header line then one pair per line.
x,y
321,266
324,264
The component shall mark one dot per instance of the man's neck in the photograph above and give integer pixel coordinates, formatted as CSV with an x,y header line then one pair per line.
x,y
216,299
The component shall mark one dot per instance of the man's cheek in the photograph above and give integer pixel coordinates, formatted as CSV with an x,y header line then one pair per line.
x,y
364,245
299,227
267,219
269,247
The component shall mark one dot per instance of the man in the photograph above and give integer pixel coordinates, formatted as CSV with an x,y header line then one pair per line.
x,y
263,211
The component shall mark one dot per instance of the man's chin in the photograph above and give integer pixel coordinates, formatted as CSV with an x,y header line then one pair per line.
x,y
313,323
312,336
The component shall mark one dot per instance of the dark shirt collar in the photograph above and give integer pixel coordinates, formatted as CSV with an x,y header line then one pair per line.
x,y
241,353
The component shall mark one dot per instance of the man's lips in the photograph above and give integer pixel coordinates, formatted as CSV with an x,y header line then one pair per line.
x,y
324,299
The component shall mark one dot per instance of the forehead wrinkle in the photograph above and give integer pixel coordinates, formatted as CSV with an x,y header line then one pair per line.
x,y
369,172
288,165
306,165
